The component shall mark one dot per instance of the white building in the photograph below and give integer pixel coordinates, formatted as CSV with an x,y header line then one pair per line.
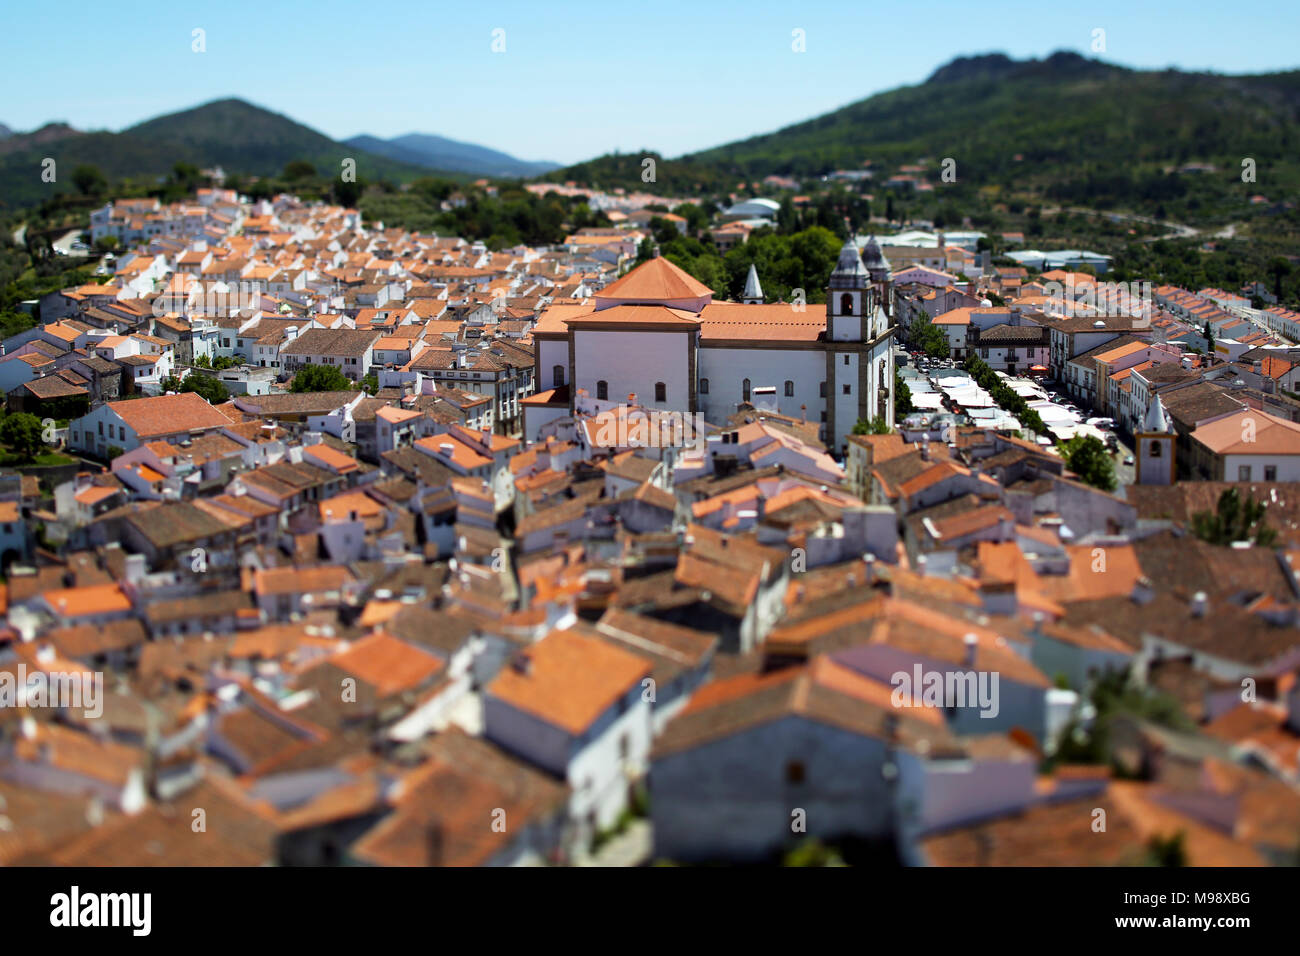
x,y
574,706
656,338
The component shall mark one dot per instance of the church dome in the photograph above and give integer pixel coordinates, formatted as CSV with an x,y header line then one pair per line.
x,y
871,253
850,262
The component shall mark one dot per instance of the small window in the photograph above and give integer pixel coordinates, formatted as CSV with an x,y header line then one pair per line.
x,y
1156,449
1270,472
1243,473
846,304
557,376
848,389
661,392
846,358
795,772
822,389
704,386
789,389
602,389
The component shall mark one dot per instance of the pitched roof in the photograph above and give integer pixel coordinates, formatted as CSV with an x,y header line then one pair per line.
x,y
168,414
655,280
568,679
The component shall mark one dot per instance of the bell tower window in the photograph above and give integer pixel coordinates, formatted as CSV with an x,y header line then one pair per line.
x,y
846,304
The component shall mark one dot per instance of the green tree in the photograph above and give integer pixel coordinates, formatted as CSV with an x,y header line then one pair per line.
x,y
347,193
877,426
644,252
22,433
812,853
213,390
299,169
1279,268
1234,519
1166,851
902,397
1086,456
89,180
320,378
928,337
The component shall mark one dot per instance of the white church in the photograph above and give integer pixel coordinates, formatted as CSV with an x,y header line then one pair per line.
x,y
657,334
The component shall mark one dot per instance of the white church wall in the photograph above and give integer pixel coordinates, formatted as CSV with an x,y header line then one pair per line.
x,y
727,368
634,362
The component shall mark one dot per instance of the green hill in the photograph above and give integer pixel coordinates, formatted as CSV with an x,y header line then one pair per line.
x,y
1064,128
241,138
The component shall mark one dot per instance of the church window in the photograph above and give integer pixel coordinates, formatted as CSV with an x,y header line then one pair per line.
x,y
557,376
704,386
1155,449
848,389
661,392
789,388
823,389
744,390
846,358
846,304
602,390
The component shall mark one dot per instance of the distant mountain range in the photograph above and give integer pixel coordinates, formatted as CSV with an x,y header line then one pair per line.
x,y
1066,126
438,152
242,139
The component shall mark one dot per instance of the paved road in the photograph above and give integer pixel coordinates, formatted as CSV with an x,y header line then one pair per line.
x,y
1124,474
1177,229
63,245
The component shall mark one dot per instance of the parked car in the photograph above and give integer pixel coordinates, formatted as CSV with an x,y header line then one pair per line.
x,y
1128,459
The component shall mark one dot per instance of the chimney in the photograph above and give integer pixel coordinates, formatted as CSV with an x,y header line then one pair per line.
x,y
1200,604
447,448
925,449
971,642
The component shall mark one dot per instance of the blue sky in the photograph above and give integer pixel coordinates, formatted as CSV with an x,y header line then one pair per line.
x,y
578,78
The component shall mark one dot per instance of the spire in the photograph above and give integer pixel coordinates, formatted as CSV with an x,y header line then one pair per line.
x,y
850,272
1156,422
753,294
